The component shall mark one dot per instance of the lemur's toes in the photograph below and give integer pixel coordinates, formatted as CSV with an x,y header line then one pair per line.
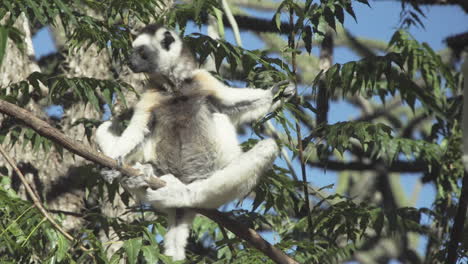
x,y
120,161
110,175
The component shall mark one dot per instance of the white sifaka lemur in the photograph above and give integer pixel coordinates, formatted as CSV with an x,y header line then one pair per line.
x,y
184,129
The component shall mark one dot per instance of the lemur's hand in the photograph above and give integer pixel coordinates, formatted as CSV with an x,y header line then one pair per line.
x,y
102,136
287,92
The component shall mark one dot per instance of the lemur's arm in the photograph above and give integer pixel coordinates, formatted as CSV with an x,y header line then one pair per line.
x,y
116,146
242,105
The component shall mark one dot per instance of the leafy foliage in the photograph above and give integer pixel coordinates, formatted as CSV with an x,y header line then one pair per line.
x,y
376,141
25,235
86,90
425,129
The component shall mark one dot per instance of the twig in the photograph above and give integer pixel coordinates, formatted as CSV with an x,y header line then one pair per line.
x,y
396,166
298,127
249,235
35,199
44,129
232,21
225,235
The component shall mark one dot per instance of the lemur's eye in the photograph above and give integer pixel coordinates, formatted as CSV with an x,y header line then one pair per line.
x,y
167,41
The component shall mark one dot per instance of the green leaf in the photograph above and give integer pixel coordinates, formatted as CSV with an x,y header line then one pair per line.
x,y
278,20
339,14
3,42
132,248
364,2
329,17
62,247
150,255
307,38
350,11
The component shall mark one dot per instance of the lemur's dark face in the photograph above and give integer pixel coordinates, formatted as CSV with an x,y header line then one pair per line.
x,y
156,50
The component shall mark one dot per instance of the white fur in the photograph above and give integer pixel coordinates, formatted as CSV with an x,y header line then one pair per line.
x,y
142,40
167,58
115,146
227,184
176,237
235,173
260,101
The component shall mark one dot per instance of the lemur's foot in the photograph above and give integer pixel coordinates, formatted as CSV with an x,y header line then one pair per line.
x,y
109,175
146,171
174,195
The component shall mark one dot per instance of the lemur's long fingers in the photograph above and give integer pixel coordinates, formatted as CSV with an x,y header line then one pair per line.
x,y
290,90
110,175
120,161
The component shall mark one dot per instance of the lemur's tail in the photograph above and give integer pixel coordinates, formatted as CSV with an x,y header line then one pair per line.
x,y
178,230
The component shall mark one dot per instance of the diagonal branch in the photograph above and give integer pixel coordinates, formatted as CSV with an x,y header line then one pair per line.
x,y
397,166
247,234
462,3
44,129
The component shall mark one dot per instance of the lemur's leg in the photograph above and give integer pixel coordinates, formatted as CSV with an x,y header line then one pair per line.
x,y
179,220
178,231
235,180
242,105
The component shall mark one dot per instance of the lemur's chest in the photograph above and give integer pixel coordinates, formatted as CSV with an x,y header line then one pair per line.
x,y
185,138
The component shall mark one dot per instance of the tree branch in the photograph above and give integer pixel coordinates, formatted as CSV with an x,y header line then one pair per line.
x,y
396,166
247,234
456,234
44,129
462,3
253,24
458,43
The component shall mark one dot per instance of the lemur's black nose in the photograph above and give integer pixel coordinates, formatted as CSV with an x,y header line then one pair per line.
x,y
135,63
167,41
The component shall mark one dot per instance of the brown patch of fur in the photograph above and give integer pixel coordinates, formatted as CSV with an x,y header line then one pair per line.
x,y
202,85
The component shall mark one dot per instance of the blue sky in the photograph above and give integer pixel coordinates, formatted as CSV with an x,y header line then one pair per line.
x,y
377,22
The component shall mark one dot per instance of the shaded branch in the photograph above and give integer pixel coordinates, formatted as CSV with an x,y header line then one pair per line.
x,y
456,235
396,166
44,129
458,43
247,234
462,3
325,62
257,5
253,24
